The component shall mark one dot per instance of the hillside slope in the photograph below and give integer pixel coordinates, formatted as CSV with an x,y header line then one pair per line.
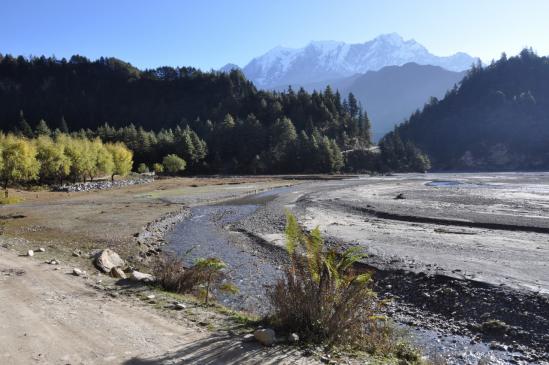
x,y
498,119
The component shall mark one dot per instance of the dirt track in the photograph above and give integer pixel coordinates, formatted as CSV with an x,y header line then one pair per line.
x,y
53,317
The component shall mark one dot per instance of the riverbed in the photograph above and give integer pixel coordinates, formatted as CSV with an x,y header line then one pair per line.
x,y
484,234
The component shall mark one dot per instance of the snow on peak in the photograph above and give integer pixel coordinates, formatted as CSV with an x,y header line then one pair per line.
x,y
324,60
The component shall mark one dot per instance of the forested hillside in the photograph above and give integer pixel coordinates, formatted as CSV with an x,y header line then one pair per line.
x,y
218,121
498,119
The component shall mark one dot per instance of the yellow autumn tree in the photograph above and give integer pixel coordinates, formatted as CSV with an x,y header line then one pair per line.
x,y
54,163
122,158
19,163
101,160
75,150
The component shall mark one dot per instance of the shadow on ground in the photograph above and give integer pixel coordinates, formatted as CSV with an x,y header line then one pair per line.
x,y
225,349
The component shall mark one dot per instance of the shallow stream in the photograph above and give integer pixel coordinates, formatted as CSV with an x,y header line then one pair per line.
x,y
253,267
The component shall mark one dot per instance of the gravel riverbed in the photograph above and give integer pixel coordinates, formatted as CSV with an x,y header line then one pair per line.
x,y
447,304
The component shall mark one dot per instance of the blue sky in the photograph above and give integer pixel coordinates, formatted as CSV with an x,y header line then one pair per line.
x,y
208,33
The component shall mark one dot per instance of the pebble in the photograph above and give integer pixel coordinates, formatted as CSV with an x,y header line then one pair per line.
x,y
293,338
41,249
151,296
78,272
179,306
30,253
248,337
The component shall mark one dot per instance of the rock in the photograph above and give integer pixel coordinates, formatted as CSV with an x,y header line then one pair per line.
x,y
77,253
53,262
265,336
142,277
78,272
41,249
293,338
400,196
117,272
497,346
248,337
179,306
30,253
107,259
151,296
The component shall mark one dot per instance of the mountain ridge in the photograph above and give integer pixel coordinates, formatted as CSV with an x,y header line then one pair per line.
x,y
328,60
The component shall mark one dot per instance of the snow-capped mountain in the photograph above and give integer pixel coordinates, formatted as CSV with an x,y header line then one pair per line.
x,y
329,60
229,67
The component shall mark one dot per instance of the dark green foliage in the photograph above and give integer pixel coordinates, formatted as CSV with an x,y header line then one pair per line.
x,y
23,127
42,129
401,156
142,168
497,119
362,160
218,122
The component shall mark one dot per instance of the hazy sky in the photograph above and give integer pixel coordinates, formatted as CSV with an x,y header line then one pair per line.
x,y
208,33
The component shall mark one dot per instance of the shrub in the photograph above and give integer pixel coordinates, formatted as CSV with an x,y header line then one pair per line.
x,y
158,168
199,279
142,168
326,300
211,272
173,164
171,275
494,327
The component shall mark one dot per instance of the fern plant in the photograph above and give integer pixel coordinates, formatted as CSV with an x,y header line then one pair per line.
x,y
324,298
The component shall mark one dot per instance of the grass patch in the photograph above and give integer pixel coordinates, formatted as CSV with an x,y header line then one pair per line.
x,y
11,200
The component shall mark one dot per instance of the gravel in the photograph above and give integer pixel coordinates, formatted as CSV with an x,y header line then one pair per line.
x,y
101,185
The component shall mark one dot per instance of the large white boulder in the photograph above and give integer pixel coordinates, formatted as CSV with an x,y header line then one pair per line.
x,y
107,259
142,277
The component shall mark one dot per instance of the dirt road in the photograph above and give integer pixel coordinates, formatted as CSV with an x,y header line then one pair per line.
x,y
52,317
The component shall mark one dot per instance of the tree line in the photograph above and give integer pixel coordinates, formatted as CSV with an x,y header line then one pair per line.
x,y
217,122
54,160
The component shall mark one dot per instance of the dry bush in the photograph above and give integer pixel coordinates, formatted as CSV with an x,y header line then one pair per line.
x,y
171,274
199,279
327,301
